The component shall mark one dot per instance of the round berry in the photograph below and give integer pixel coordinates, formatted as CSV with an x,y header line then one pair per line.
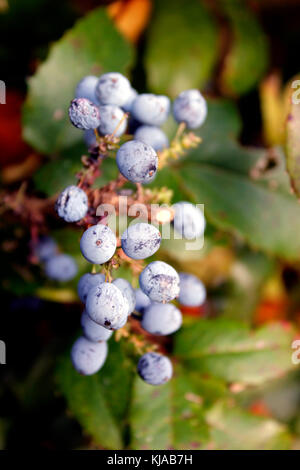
x,y
141,240
92,331
88,357
132,96
84,114
89,138
153,136
86,88
189,220
72,204
154,368
192,290
86,282
111,116
160,282
45,248
128,292
98,244
137,161
113,88
190,107
151,109
107,306
161,319
142,301
61,268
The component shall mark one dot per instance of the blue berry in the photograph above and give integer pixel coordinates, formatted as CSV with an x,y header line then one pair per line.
x,y
189,220
86,88
86,282
84,114
138,162
142,301
132,96
92,331
107,306
154,368
141,240
192,290
111,116
128,292
153,136
98,244
151,109
45,248
61,268
113,88
72,204
190,107
88,357
161,319
89,138
160,282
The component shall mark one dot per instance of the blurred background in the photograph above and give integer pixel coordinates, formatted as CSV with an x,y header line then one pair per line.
x,y
236,386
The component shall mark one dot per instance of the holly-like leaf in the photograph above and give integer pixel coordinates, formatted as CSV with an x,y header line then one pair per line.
x,y
230,351
247,59
181,46
100,401
92,46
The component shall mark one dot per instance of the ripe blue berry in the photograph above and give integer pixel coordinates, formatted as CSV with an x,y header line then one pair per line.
x,y
86,88
190,107
111,116
89,138
188,220
154,368
142,301
161,319
153,136
113,88
92,331
137,161
45,248
151,109
61,268
128,292
107,306
72,204
128,105
98,244
141,240
192,290
84,114
88,357
86,282
160,282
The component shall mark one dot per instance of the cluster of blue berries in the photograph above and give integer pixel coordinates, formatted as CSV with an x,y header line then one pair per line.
x,y
58,266
101,108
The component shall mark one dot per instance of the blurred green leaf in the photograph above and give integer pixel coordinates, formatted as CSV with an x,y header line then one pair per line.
x,y
247,59
181,46
229,350
100,401
88,48
235,429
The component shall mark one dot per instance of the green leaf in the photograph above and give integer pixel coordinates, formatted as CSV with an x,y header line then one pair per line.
x,y
169,416
181,46
92,46
230,351
247,59
293,145
235,429
100,401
